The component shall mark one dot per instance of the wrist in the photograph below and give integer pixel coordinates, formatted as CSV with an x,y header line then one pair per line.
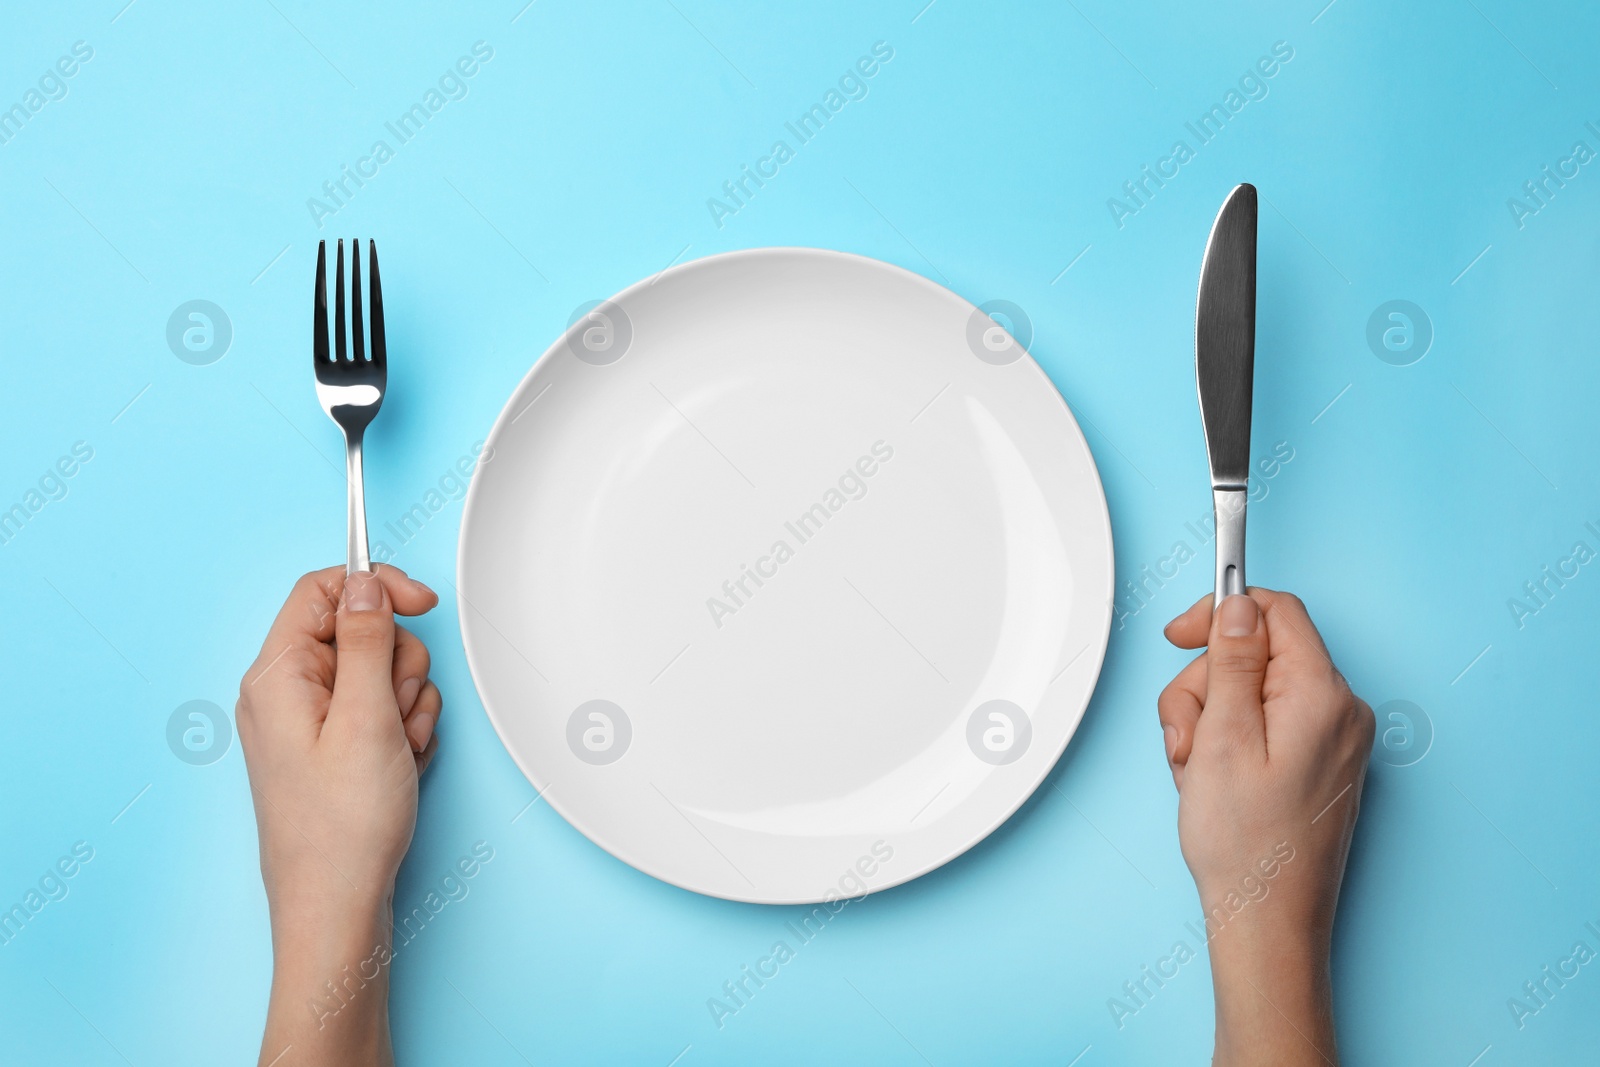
x,y
322,927
315,896
330,980
1274,997
1277,943
329,933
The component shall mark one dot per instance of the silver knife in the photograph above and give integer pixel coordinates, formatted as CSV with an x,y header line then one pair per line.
x,y
1224,365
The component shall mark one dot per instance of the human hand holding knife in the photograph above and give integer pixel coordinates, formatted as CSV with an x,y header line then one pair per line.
x,y
1267,745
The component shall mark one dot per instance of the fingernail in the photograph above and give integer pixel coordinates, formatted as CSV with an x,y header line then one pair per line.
x,y
1170,732
421,730
362,592
406,696
1238,616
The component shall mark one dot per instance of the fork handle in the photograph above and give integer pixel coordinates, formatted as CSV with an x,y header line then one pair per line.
x,y
357,524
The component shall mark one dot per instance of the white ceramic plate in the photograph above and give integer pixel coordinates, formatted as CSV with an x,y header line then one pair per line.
x,y
788,576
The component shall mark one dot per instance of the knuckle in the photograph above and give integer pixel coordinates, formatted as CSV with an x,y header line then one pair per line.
x,y
245,722
363,638
309,587
312,590
1232,660
1366,721
245,706
411,655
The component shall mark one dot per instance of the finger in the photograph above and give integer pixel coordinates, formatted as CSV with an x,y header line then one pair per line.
x,y
1290,628
1191,629
294,660
411,662
425,757
424,717
363,685
1193,678
409,596
309,614
1236,665
1179,708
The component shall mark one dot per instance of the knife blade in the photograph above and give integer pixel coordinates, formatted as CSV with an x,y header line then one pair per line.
x,y
1224,363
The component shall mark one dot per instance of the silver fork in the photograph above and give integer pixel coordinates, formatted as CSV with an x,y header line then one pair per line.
x,y
350,388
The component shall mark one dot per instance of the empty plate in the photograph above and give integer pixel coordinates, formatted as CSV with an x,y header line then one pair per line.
x,y
787,575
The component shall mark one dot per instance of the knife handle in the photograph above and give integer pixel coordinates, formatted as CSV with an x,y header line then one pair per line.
x,y
1228,505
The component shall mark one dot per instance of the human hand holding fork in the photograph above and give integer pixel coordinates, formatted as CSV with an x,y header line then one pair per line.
x,y
336,719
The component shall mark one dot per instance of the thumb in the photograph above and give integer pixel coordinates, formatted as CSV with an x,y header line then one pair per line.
x,y
364,641
1236,665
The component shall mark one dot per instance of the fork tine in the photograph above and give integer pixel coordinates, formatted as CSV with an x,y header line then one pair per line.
x,y
378,354
319,316
338,306
357,351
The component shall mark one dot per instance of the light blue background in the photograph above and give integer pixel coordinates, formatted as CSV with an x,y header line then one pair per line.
x,y
178,167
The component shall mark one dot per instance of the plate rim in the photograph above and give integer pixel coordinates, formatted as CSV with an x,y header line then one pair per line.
x,y
946,856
